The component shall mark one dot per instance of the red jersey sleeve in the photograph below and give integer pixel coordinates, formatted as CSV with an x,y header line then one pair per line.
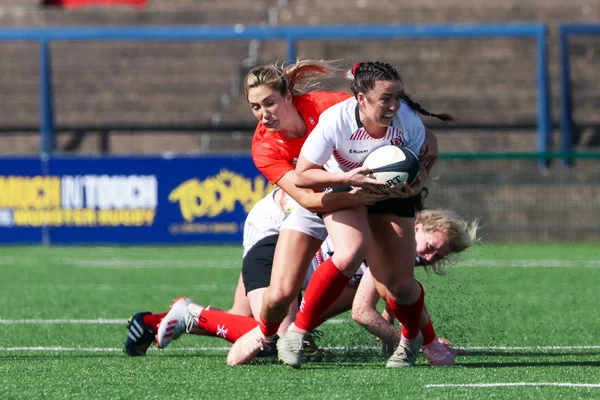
x,y
267,156
269,162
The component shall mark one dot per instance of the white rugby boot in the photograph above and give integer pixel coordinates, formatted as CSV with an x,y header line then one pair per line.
x,y
182,318
247,347
406,353
289,348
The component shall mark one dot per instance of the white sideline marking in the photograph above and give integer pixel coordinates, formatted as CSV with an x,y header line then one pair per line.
x,y
210,287
508,384
124,263
104,349
529,263
339,348
96,321
525,348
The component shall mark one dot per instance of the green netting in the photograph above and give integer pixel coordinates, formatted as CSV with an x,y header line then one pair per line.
x,y
517,200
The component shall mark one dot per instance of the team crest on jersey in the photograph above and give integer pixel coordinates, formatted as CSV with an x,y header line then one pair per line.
x,y
397,141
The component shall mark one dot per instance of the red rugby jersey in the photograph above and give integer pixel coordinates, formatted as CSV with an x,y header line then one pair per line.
x,y
275,155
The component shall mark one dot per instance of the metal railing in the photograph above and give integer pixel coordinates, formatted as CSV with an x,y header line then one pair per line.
x,y
291,34
566,105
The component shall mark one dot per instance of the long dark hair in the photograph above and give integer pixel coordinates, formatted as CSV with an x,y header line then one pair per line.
x,y
367,73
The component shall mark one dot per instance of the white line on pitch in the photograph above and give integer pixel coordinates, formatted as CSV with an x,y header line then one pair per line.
x,y
509,384
104,349
529,263
338,348
210,287
96,321
516,348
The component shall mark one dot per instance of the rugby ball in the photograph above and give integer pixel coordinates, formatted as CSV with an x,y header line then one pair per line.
x,y
394,165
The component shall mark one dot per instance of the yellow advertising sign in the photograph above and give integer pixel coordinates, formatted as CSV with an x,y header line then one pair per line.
x,y
214,196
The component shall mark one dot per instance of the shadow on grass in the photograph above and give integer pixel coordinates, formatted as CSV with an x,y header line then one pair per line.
x,y
499,353
501,364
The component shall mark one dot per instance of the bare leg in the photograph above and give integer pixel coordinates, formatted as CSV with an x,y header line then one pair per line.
x,y
255,298
240,306
293,255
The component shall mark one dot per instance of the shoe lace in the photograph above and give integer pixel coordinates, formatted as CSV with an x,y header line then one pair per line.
x,y
250,344
189,324
193,313
404,352
310,340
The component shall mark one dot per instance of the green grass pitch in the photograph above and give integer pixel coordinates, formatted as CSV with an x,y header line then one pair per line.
x,y
528,315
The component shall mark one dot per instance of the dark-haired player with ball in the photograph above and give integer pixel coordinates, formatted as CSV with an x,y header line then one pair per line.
x,y
379,114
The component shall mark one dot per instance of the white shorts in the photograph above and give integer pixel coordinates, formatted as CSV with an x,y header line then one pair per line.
x,y
263,220
326,251
298,218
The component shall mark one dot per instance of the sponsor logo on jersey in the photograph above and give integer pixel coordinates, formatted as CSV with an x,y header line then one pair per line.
x,y
396,141
353,151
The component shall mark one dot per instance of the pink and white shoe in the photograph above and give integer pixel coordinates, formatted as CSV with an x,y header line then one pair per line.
x,y
456,351
247,347
438,354
182,318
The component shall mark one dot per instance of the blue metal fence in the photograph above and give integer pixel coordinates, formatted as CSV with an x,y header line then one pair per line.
x,y
566,120
291,34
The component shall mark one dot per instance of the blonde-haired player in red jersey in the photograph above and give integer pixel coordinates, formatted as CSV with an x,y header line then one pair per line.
x,y
286,116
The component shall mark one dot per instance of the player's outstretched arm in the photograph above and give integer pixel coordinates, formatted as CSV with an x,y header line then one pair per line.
x,y
364,311
325,202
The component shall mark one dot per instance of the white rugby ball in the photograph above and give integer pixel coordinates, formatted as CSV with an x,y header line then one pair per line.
x,y
394,165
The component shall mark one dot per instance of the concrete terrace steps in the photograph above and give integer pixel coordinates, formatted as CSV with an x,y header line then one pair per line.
x,y
433,11
480,80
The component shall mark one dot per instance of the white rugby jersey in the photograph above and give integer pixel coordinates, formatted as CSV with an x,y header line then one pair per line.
x,y
325,252
264,219
340,143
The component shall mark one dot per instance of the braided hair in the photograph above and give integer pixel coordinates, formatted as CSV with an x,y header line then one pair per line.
x,y
367,73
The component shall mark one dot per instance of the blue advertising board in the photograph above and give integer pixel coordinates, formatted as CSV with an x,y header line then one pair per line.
x,y
127,200
20,182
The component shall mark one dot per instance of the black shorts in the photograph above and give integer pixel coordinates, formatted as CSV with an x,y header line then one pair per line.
x,y
402,207
257,265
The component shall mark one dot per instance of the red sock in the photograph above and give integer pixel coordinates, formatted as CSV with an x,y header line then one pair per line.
x,y
428,333
409,315
153,320
325,286
268,328
228,326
